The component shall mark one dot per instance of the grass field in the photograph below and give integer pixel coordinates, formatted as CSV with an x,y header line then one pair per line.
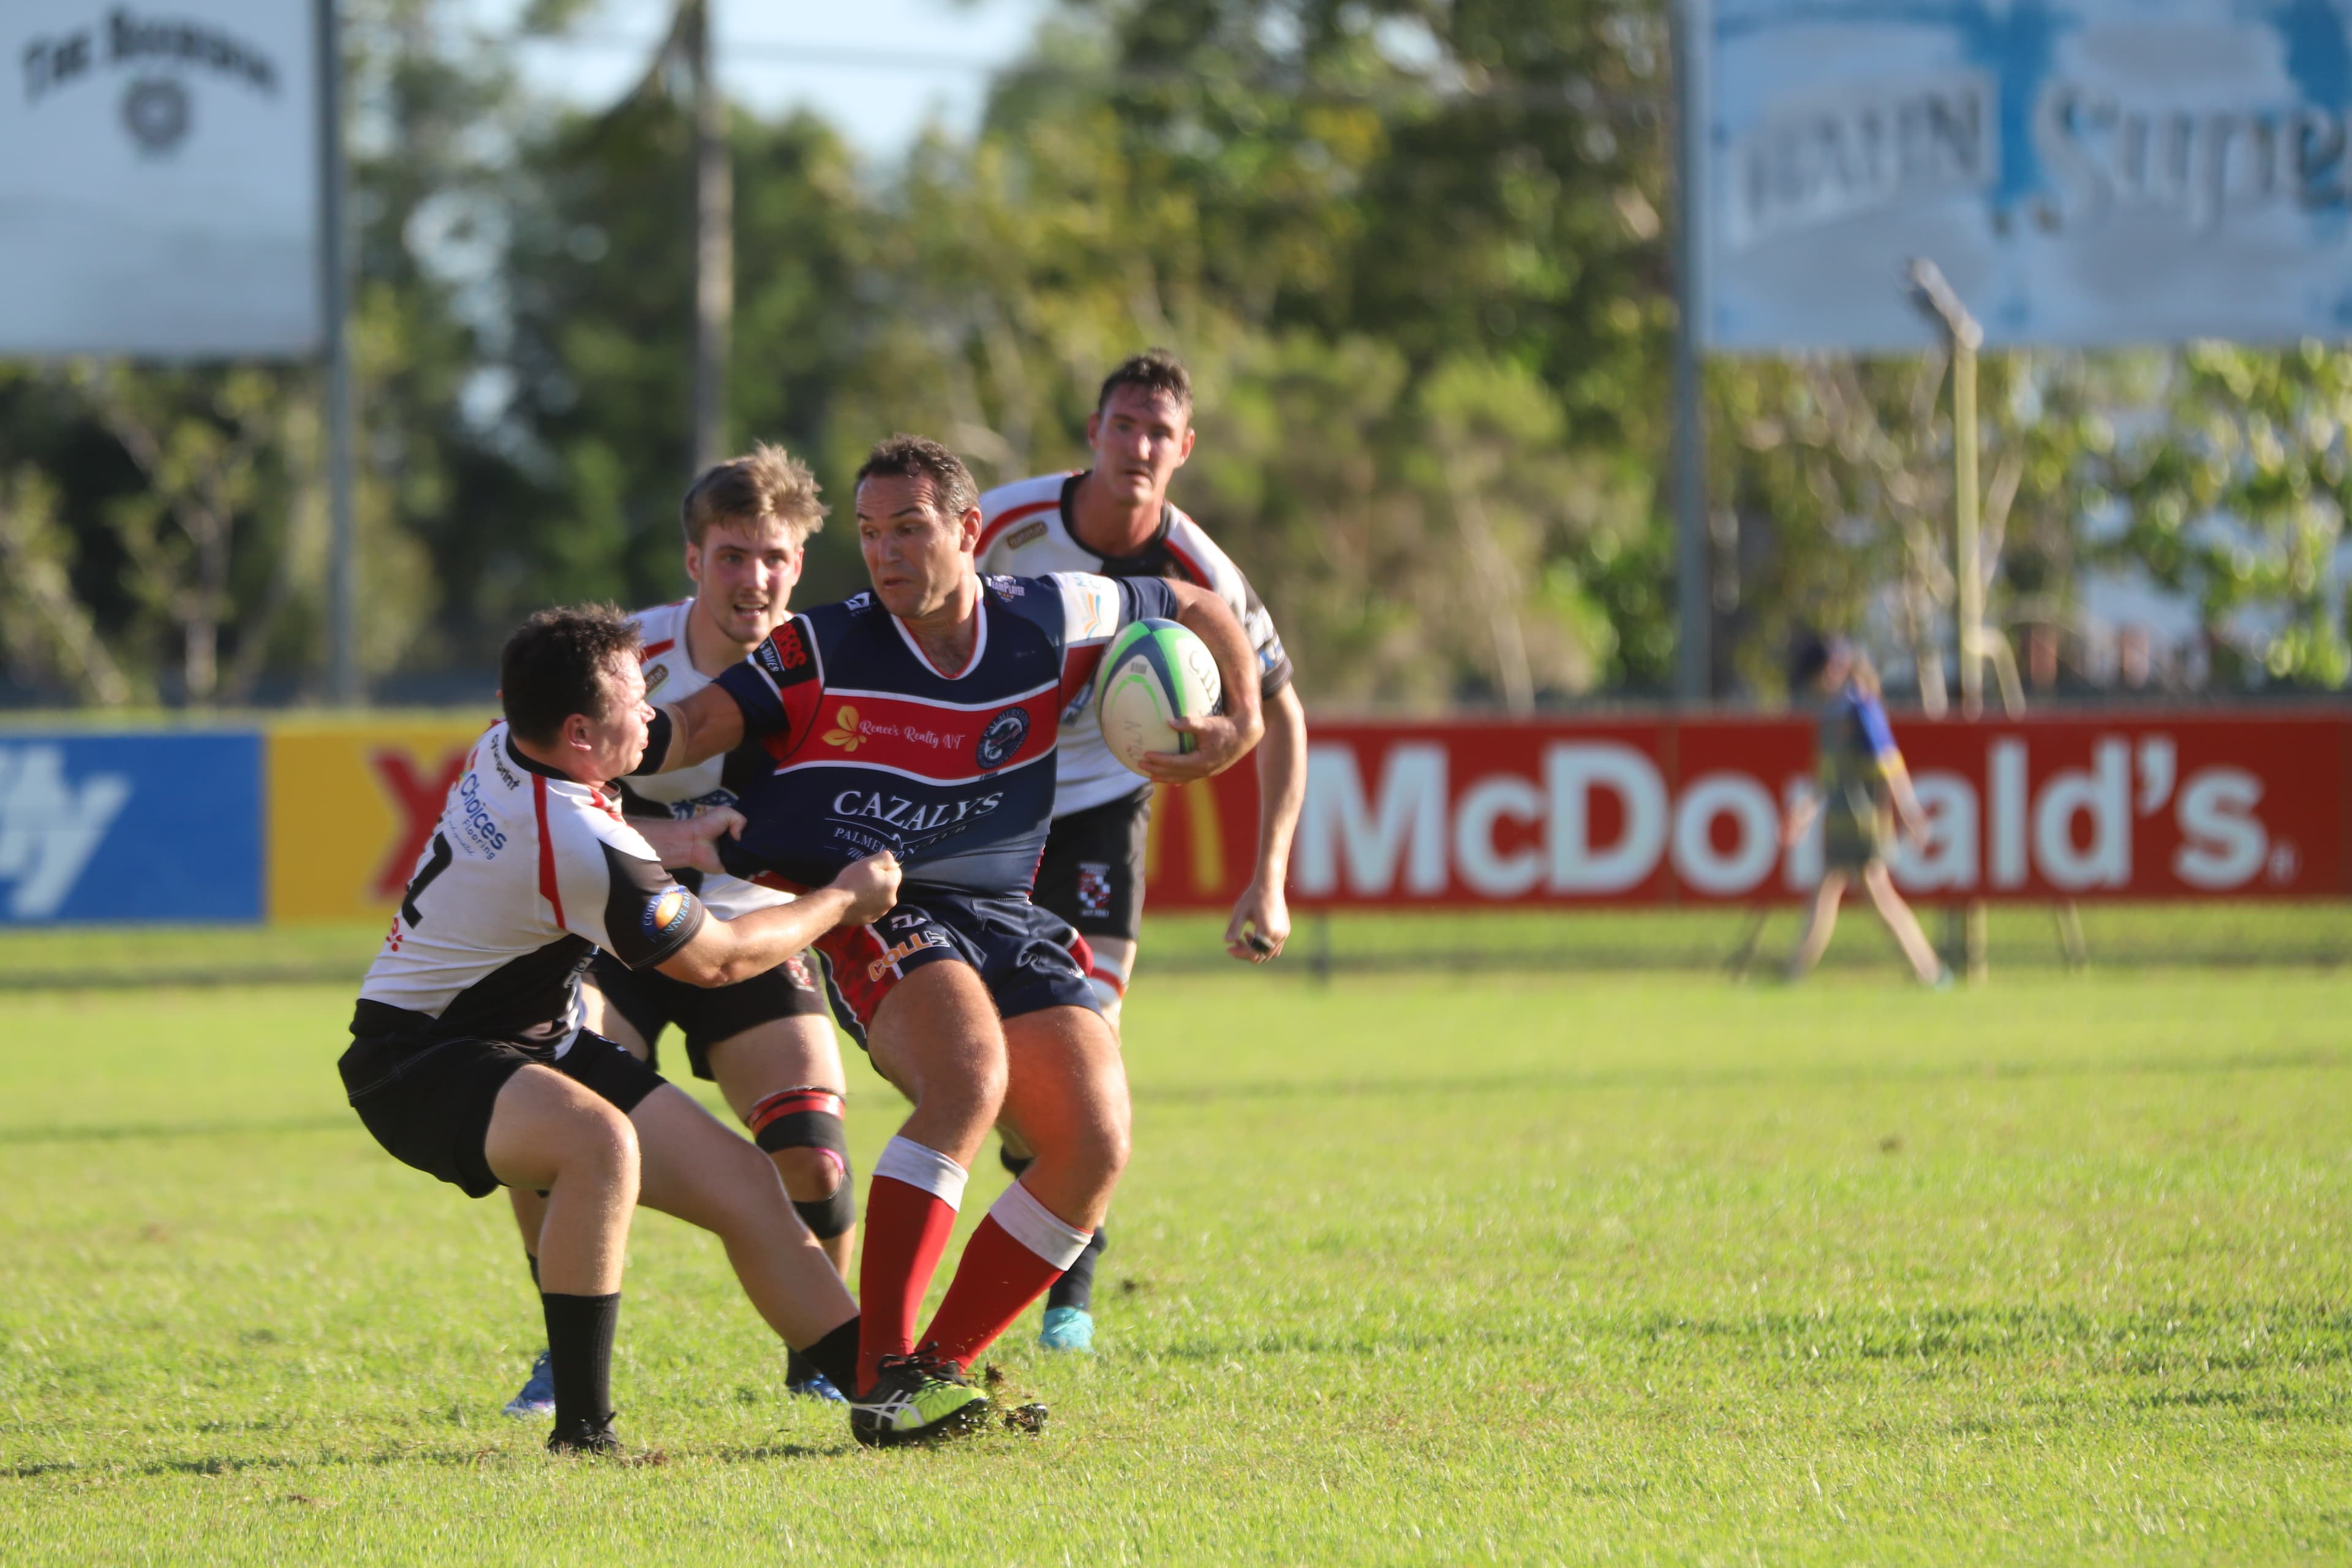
x,y
1518,1268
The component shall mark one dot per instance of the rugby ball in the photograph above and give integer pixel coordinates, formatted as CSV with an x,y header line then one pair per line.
x,y
1153,671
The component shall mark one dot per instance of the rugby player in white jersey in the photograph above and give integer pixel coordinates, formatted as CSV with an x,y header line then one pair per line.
x,y
469,1058
768,1042
1115,519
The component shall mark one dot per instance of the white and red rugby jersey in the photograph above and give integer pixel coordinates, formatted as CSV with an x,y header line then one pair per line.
x,y
1026,530
527,874
875,748
670,677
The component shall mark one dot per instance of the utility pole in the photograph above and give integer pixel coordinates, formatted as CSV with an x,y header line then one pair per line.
x,y
1693,580
714,244
334,308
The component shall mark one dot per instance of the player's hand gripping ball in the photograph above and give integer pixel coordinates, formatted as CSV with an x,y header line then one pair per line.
x,y
1154,671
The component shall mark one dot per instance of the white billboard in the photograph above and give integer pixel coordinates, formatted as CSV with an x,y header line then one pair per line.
x,y
160,185
2084,171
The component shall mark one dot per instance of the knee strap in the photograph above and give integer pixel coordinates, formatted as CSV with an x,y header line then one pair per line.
x,y
809,1118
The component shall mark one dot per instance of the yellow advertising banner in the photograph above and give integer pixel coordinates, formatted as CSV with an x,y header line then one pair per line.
x,y
351,803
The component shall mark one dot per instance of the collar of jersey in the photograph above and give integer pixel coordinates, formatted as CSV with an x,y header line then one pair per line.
x,y
979,642
1141,558
530,765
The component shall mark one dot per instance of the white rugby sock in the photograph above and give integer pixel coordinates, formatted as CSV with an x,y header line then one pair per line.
x,y
1033,1225
926,1170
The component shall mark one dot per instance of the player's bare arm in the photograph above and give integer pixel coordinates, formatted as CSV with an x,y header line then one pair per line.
x,y
1907,800
724,952
1222,738
703,726
1261,921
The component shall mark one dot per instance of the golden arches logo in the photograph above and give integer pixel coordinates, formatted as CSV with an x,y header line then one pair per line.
x,y
1205,834
844,733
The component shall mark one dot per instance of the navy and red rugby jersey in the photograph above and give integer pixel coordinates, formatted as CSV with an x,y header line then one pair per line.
x,y
875,749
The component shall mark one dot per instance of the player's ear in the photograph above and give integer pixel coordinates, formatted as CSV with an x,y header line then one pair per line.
x,y
1186,450
969,536
1094,429
694,562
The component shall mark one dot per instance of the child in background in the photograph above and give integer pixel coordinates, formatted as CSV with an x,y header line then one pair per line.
x,y
1861,783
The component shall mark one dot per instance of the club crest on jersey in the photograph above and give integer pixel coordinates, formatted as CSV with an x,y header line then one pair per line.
x,y
1093,887
664,910
844,733
656,674
1001,738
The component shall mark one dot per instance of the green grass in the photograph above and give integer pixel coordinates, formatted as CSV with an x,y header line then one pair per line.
x,y
2021,936
1515,1269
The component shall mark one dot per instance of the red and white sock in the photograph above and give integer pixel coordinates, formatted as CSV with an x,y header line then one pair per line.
x,y
910,1209
1019,1250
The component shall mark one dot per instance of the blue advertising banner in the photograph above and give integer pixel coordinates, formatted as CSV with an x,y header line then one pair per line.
x,y
99,828
2084,171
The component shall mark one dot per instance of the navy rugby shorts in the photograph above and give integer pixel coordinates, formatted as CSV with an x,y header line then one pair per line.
x,y
706,1014
1029,960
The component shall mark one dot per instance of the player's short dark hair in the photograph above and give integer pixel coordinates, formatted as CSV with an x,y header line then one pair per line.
x,y
554,664
905,457
767,483
1154,370
1809,655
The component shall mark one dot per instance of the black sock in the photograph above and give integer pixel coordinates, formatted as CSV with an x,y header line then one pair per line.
x,y
532,1259
835,1355
580,1354
1076,1288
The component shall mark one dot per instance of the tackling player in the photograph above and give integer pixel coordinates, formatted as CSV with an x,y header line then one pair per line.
x,y
768,1041
468,1057
1115,519
922,718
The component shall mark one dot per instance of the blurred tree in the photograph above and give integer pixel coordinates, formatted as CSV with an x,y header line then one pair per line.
x,y
2236,495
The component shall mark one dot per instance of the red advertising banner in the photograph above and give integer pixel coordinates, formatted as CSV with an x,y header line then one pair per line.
x,y
1632,811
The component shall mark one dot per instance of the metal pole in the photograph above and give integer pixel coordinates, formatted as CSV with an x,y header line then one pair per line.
x,y
1968,572
1936,296
714,250
334,305
1693,587
1940,301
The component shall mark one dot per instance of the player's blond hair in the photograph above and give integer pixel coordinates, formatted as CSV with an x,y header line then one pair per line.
x,y
769,484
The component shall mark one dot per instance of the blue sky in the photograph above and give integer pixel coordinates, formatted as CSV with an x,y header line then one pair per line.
x,y
881,105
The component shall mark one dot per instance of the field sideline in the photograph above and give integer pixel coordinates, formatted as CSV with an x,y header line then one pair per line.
x,y
1408,1269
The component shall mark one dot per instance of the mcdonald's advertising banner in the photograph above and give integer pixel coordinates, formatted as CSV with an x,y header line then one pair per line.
x,y
1660,811
316,822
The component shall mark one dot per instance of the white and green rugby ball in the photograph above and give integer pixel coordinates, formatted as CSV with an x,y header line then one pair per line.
x,y
1154,671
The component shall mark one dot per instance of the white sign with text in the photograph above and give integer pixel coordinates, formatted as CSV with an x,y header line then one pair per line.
x,y
159,178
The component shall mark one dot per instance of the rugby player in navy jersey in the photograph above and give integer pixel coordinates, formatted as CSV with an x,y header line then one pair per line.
x,y
768,1041
922,719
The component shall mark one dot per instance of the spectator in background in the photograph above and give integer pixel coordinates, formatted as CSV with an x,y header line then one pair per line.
x,y
1860,784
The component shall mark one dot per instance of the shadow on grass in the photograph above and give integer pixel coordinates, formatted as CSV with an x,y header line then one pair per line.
x,y
2174,1339
1734,1078
445,1458
148,1132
